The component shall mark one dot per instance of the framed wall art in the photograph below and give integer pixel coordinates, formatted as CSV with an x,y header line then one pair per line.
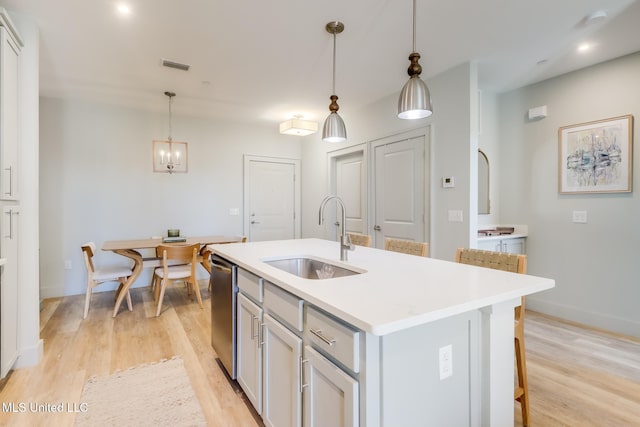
x,y
596,157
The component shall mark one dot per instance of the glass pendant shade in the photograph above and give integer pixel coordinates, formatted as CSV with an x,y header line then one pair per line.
x,y
334,129
415,100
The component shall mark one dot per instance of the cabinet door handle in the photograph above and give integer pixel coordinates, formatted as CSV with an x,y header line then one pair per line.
x,y
301,363
260,334
253,330
318,333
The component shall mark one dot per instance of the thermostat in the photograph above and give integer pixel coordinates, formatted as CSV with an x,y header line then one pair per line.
x,y
448,182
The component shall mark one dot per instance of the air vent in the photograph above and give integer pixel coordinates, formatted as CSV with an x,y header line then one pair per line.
x,y
176,65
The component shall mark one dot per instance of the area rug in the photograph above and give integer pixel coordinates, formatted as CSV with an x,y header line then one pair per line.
x,y
158,394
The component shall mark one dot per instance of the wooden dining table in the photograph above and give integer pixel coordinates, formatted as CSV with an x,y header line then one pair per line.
x,y
131,249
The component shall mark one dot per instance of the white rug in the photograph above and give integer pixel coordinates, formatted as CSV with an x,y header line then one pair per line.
x,y
158,394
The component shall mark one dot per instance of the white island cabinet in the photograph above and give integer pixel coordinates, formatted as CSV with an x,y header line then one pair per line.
x,y
408,340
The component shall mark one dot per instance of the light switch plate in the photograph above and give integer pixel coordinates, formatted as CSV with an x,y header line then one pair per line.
x,y
234,211
455,216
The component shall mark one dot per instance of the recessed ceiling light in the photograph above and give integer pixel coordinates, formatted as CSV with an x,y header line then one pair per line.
x,y
124,9
584,47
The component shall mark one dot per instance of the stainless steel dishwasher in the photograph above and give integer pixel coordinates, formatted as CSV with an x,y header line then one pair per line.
x,y
224,291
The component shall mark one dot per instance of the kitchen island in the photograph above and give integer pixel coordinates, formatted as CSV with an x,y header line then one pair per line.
x,y
429,342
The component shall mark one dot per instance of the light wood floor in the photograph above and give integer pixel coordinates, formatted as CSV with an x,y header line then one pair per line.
x,y
577,376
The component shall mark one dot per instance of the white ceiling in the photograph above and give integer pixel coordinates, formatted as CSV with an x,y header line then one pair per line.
x,y
267,60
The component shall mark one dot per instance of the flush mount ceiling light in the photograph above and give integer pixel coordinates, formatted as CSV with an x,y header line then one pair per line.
x,y
169,156
298,126
415,99
334,129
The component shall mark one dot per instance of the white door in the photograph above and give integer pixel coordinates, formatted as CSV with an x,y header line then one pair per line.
x,y
272,199
282,356
348,180
249,350
399,178
330,396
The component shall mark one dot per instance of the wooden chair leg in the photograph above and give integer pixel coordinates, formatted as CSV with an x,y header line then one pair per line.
x,y
163,285
197,289
522,394
87,300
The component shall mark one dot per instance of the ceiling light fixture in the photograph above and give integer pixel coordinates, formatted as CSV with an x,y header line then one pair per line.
x,y
334,129
584,47
298,126
124,9
169,156
415,99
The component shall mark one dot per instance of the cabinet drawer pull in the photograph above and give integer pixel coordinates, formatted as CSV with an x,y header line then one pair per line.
x,y
318,333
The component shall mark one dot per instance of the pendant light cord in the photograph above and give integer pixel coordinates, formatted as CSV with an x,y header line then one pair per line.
x,y
170,99
414,25
334,62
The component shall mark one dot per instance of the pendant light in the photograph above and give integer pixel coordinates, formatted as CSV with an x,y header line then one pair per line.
x,y
169,156
415,99
334,129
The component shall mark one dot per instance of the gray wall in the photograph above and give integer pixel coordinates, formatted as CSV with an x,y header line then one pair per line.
x,y
596,265
453,126
97,181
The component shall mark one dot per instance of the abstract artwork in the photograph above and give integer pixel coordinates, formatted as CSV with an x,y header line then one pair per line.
x,y
596,157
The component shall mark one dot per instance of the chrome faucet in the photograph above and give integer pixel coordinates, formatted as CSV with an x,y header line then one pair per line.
x,y
345,240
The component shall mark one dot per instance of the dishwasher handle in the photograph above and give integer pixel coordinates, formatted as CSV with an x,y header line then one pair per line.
x,y
220,267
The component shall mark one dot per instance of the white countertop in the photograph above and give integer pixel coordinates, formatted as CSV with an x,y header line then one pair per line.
x,y
395,292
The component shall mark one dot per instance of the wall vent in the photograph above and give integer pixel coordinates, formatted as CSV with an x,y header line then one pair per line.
x,y
174,64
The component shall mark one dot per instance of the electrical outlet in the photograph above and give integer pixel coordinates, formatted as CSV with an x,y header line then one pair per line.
x,y
67,264
580,217
446,361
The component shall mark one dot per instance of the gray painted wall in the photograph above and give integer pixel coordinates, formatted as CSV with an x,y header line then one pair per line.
x,y
97,182
453,126
596,265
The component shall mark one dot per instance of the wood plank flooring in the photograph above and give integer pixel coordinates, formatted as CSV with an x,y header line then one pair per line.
x,y
577,376
580,376
76,349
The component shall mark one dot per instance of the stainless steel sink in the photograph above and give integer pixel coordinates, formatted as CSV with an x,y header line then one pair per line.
x,y
310,268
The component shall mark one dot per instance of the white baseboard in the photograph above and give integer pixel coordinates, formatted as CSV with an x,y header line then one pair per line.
x,y
607,322
30,356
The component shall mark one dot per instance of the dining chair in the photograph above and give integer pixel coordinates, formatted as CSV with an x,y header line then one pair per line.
x,y
360,239
179,263
515,263
96,276
407,247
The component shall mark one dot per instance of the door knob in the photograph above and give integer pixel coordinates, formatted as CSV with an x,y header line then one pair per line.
x,y
255,222
377,228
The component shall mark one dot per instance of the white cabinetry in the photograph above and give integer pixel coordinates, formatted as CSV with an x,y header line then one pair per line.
x,y
269,352
10,44
9,289
512,245
282,382
331,396
249,351
9,107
